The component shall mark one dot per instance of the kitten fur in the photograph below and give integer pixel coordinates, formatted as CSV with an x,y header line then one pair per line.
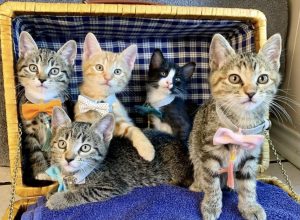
x,y
243,86
100,80
44,75
166,80
115,169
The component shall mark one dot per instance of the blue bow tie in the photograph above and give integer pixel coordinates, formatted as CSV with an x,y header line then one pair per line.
x,y
55,174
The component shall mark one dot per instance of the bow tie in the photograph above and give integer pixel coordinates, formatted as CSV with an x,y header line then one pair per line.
x,y
102,107
227,136
30,111
55,174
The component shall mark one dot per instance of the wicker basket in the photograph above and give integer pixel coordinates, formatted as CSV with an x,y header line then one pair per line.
x,y
10,11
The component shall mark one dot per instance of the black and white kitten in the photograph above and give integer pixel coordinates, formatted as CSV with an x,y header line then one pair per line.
x,y
166,90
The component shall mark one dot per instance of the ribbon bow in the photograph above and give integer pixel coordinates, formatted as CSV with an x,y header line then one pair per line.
x,y
227,136
30,111
102,107
55,174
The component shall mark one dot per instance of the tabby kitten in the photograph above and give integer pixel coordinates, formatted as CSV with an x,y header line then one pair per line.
x,y
80,147
105,74
45,75
243,86
166,91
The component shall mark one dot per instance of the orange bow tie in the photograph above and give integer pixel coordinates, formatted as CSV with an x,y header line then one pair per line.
x,y
30,111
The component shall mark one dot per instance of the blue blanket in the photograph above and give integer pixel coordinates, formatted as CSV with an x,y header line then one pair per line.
x,y
168,202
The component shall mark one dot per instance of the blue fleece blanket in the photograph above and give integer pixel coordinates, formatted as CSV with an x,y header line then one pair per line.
x,y
168,202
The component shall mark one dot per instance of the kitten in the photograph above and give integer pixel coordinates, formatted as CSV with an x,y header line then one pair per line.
x,y
113,169
105,74
166,90
243,86
45,75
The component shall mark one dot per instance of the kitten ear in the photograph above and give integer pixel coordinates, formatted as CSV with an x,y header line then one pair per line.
x,y
68,51
105,127
272,50
59,118
188,70
219,52
91,46
26,44
157,59
129,54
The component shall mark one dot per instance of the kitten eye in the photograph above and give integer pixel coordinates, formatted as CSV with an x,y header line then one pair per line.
x,y
234,79
62,144
163,73
117,71
85,148
99,67
33,68
263,79
54,71
177,79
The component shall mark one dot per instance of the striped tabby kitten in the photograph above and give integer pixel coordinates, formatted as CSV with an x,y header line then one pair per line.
x,y
81,148
104,75
45,76
166,91
243,86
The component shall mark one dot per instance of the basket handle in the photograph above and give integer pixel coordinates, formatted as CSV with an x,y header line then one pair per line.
x,y
135,2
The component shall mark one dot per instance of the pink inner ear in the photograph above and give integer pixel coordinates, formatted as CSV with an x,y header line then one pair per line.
x,y
129,55
91,46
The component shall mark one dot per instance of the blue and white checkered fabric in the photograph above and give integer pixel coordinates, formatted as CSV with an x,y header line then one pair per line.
x,y
180,40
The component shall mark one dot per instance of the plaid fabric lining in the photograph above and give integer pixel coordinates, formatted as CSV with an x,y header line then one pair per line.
x,y
180,40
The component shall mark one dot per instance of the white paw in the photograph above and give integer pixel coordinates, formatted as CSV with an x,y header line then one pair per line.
x,y
253,212
43,176
145,149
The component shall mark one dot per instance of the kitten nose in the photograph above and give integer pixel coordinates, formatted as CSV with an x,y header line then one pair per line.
x,y
42,80
69,159
250,94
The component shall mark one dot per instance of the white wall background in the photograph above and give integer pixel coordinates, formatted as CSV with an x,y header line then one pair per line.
x,y
286,135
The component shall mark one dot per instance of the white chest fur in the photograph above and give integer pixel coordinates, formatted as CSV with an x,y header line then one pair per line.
x,y
159,125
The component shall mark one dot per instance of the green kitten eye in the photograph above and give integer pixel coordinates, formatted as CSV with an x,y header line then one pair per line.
x,y
85,148
234,79
117,71
263,79
54,71
163,73
33,68
62,144
99,67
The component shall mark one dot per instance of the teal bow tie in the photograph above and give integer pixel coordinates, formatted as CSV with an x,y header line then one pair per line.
x,y
147,109
55,174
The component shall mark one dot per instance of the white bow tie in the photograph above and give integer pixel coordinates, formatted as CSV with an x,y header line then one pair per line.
x,y
101,106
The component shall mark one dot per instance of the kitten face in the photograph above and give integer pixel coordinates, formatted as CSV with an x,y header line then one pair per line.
x,y
106,71
44,73
247,81
79,146
168,77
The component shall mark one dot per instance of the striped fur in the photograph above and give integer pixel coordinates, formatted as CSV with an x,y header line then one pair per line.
x,y
245,100
117,169
100,83
52,70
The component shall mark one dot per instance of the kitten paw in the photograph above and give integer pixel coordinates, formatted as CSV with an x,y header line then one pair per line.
x,y
43,176
211,212
145,149
56,201
253,212
195,187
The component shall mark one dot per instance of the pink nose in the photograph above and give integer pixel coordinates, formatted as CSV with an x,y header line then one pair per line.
x,y
169,83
